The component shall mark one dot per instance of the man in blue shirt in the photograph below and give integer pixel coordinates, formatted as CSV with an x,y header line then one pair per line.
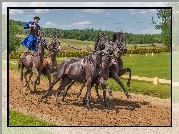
x,y
31,41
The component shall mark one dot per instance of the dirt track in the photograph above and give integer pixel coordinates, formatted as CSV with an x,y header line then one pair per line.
x,y
139,111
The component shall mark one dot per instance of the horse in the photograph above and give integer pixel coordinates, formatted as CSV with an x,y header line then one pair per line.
x,y
116,72
81,70
50,62
102,73
116,66
113,65
101,43
32,63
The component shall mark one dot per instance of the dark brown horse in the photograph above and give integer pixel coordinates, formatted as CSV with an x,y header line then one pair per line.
x,y
33,63
85,70
50,62
115,65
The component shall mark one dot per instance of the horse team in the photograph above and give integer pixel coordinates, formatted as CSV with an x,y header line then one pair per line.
x,y
95,69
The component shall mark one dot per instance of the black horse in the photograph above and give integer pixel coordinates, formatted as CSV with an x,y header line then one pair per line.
x,y
115,66
86,69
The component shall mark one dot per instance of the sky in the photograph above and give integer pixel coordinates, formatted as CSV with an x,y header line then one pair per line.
x,y
136,21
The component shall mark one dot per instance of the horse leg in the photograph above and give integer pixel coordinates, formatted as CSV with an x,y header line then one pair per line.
x,y
50,88
88,95
108,88
116,78
29,80
79,94
25,77
110,91
65,82
104,94
104,87
123,71
84,99
65,94
96,89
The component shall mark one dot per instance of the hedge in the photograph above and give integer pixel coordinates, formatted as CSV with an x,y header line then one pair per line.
x,y
82,53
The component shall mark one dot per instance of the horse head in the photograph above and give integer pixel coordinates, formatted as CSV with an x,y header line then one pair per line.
x,y
43,41
103,44
55,45
120,40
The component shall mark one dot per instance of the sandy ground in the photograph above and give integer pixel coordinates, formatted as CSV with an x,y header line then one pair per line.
x,y
139,111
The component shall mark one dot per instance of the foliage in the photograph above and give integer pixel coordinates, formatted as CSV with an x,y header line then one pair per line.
x,y
84,53
14,41
92,34
164,25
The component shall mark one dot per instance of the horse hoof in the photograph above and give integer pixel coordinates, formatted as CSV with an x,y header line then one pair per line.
x,y
129,97
83,102
89,108
106,105
100,98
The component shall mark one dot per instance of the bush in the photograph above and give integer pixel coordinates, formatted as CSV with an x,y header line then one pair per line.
x,y
83,53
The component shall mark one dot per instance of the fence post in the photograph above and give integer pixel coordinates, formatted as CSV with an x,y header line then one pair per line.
x,y
156,81
152,54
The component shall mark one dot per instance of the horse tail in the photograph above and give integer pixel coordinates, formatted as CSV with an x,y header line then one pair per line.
x,y
20,63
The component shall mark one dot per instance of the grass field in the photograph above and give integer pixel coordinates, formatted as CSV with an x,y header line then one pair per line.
x,y
21,130
158,65
81,44
19,119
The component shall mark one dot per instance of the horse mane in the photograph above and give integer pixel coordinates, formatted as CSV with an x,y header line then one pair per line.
x,y
114,37
116,34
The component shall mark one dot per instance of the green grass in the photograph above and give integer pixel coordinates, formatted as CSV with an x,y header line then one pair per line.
x,y
21,130
19,119
158,65
162,91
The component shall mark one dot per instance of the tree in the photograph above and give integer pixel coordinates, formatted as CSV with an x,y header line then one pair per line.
x,y
14,41
164,25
